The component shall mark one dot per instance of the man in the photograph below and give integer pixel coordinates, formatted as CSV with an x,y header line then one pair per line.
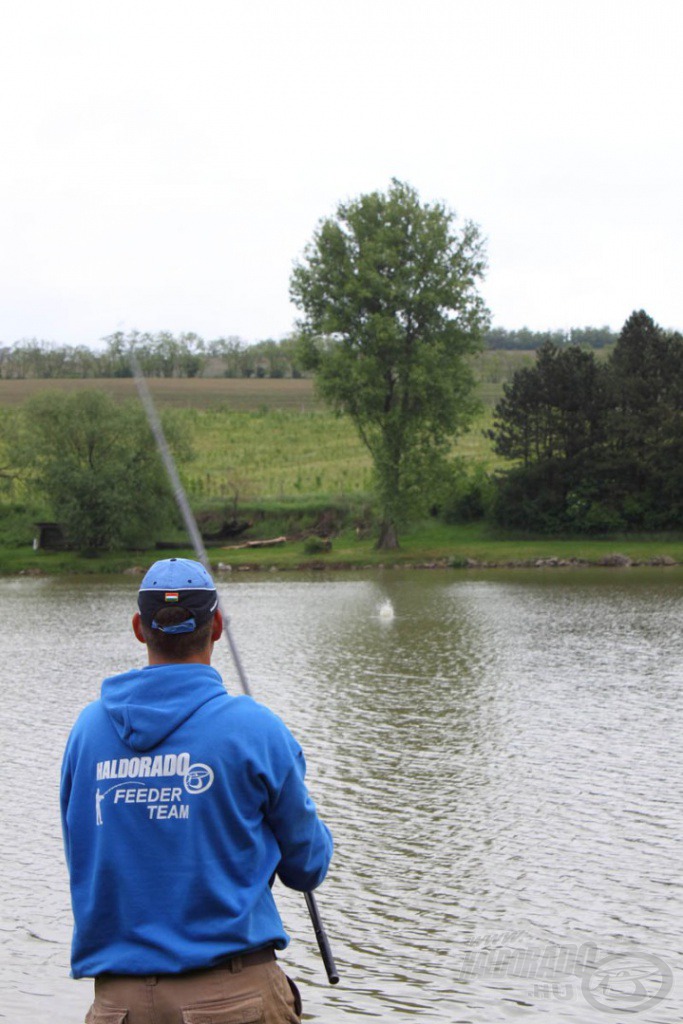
x,y
180,804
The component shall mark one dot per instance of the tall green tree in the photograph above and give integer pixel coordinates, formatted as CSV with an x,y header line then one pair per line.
x,y
551,422
646,422
647,371
598,446
388,291
554,409
96,466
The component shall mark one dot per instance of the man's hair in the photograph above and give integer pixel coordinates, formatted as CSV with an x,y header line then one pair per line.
x,y
175,646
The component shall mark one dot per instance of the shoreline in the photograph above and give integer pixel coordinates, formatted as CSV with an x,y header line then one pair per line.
x,y
429,545
612,560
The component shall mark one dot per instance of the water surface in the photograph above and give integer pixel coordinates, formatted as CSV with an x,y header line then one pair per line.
x,y
499,763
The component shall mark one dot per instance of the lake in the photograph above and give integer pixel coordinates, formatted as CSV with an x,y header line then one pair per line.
x,y
499,756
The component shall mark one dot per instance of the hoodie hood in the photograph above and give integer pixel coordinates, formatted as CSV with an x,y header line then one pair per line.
x,y
147,705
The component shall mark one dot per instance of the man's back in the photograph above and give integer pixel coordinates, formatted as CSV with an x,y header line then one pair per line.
x,y
180,804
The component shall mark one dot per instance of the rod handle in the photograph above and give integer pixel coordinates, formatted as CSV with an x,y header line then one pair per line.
x,y
323,941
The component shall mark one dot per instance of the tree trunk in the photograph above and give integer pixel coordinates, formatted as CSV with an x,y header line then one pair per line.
x,y
388,538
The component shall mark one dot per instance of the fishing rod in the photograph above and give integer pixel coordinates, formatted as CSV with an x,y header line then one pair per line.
x,y
200,551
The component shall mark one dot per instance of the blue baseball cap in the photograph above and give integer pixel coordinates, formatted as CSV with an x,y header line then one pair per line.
x,y
182,583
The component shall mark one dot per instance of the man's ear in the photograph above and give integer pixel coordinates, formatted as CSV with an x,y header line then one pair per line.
x,y
217,626
137,628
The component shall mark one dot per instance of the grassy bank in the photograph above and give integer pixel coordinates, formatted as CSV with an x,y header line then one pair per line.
x,y
429,544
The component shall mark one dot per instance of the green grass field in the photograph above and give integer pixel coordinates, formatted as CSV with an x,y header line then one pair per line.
x,y
272,439
273,454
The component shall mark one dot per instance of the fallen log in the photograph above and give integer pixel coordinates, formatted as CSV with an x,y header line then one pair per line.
x,y
270,543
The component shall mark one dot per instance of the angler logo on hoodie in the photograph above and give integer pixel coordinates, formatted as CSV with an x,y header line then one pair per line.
x,y
161,801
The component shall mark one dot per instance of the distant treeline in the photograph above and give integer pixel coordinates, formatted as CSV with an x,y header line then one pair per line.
x,y
526,340
187,355
160,355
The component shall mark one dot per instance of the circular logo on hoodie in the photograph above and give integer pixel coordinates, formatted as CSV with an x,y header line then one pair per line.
x,y
198,778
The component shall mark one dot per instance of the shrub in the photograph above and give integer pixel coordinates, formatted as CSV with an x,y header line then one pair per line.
x,y
317,545
467,494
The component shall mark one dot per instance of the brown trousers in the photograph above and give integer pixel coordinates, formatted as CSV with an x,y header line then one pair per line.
x,y
250,993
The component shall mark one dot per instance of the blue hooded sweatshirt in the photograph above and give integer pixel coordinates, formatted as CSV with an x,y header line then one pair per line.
x,y
179,804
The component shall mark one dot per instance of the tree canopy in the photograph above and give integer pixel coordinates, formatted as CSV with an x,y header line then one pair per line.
x,y
95,465
387,288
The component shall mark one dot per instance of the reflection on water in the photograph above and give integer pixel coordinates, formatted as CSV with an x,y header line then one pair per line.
x,y
498,759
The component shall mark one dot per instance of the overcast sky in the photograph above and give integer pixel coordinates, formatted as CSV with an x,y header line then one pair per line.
x,y
164,163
